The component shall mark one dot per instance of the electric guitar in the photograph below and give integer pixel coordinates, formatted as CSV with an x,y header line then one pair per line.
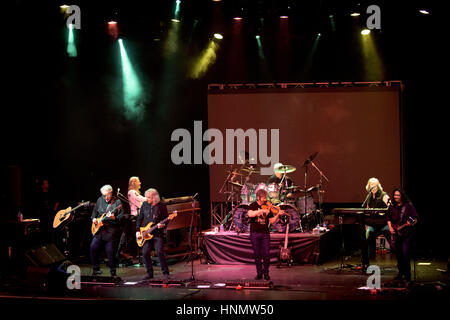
x,y
404,229
285,252
146,232
99,221
65,215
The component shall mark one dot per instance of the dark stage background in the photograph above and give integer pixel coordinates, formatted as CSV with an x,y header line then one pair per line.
x,y
63,119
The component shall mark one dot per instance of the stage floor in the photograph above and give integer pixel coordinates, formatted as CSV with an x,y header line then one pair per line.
x,y
299,282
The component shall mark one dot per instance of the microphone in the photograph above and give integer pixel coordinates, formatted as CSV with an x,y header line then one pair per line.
x,y
118,191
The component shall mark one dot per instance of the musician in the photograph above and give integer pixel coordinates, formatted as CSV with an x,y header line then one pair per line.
x,y
259,233
153,210
401,212
277,178
108,235
135,200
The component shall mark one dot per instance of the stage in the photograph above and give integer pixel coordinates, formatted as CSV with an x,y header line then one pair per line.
x,y
300,282
235,248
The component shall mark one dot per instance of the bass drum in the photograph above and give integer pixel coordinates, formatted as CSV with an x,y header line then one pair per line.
x,y
240,218
294,219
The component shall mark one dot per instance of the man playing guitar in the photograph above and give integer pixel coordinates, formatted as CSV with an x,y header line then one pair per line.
x,y
401,216
110,209
153,210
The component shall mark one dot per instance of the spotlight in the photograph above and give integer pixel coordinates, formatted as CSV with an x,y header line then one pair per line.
x,y
112,22
355,14
218,36
423,11
365,32
175,20
257,37
284,17
237,18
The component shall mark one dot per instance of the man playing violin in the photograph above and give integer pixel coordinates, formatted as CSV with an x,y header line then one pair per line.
x,y
261,214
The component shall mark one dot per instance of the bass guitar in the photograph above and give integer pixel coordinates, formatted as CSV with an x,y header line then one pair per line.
x,y
99,221
402,230
65,216
146,232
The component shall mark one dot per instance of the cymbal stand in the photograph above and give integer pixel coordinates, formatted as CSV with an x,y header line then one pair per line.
x,y
320,191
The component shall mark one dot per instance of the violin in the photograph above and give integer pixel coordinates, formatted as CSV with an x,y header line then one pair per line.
x,y
269,206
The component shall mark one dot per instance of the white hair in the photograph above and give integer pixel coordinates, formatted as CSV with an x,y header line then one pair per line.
x,y
373,180
105,189
151,190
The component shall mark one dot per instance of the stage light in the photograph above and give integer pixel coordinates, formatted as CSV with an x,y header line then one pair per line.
x,y
365,32
333,25
175,20
132,89
71,47
237,18
423,11
207,58
64,7
113,30
284,17
355,14
218,36
257,37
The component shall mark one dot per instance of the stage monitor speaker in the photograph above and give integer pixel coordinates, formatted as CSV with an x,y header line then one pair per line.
x,y
100,280
45,255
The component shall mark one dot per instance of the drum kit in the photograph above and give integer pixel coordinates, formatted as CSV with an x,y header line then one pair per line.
x,y
296,201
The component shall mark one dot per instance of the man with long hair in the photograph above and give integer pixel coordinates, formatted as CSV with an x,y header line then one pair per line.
x,y
153,210
402,216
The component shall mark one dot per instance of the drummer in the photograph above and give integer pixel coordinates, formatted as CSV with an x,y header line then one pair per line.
x,y
277,178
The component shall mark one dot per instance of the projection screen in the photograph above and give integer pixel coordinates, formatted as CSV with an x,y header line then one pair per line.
x,y
356,132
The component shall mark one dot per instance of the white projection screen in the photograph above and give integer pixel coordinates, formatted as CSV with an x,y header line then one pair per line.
x,y
356,132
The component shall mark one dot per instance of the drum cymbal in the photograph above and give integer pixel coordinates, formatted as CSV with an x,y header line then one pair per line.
x,y
313,188
286,169
235,173
235,184
252,170
295,189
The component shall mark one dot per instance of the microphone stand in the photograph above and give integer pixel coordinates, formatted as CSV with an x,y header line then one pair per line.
x,y
320,191
192,254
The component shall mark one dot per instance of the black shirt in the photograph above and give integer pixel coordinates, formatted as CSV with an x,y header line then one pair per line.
x,y
155,214
377,201
259,224
400,214
111,227
274,179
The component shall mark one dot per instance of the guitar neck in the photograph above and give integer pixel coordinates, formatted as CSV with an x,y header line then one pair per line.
x,y
286,236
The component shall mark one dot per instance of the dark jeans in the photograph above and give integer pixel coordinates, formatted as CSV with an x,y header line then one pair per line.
x,y
261,248
110,248
401,249
158,243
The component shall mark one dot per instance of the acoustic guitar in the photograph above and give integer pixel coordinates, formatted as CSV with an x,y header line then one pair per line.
x,y
146,232
99,221
65,215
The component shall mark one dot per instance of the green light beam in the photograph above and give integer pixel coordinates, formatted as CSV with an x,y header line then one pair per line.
x,y
132,89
